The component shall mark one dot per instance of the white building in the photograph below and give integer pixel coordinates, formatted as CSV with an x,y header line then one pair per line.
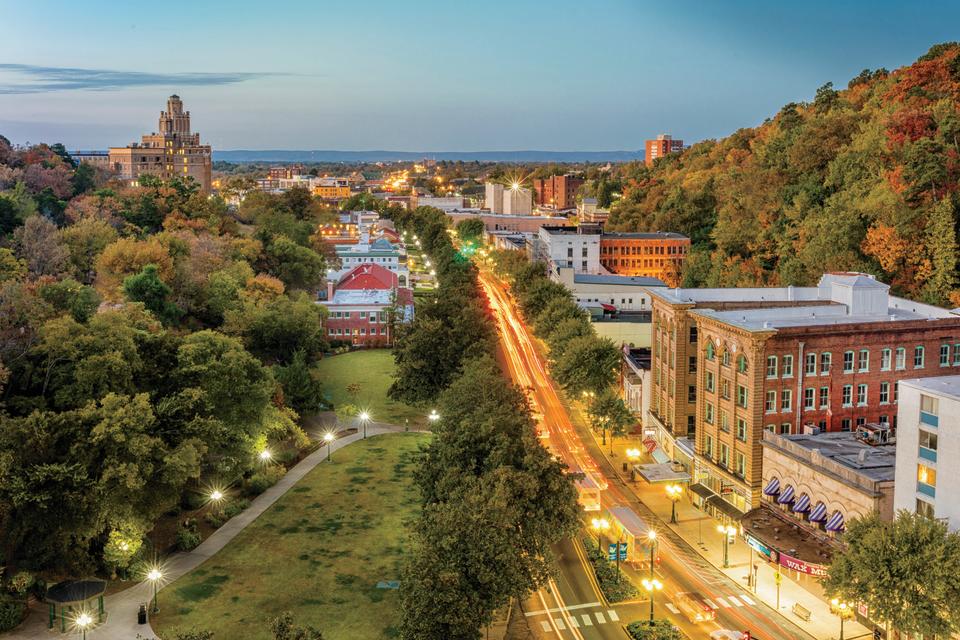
x,y
381,252
494,197
517,201
577,248
928,441
624,293
445,203
636,383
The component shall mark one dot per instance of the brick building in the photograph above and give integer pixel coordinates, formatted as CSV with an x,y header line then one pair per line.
x,y
366,305
286,171
559,192
729,363
659,254
663,145
172,151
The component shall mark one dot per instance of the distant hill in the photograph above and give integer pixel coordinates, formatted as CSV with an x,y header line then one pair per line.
x,y
863,178
328,155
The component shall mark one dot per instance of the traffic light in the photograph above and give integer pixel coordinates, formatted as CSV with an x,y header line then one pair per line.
x,y
877,635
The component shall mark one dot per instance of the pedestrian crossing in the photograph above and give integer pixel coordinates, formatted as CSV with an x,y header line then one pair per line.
x,y
574,620
717,603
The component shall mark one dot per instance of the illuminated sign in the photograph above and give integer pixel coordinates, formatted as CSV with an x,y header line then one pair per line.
x,y
817,570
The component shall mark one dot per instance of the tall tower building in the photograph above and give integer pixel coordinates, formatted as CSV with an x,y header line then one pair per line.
x,y
172,151
660,147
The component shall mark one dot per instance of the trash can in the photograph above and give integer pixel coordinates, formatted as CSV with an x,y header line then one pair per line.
x,y
142,614
624,467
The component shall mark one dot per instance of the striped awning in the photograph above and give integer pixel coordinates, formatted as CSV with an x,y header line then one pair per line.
x,y
802,505
787,496
772,488
835,523
819,513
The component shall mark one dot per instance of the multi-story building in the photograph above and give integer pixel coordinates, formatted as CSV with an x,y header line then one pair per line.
x,y
99,159
170,152
577,248
928,441
663,145
589,211
286,171
494,197
658,254
611,292
444,203
381,252
559,192
501,222
331,188
730,363
635,380
365,306
517,201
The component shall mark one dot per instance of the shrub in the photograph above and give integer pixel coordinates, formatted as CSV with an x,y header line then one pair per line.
x,y
606,572
188,537
11,613
20,582
661,630
235,507
264,479
216,518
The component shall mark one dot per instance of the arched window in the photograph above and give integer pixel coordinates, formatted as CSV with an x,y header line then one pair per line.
x,y
742,363
710,351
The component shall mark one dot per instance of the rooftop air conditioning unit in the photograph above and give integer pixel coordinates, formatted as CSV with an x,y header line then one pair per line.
x,y
811,429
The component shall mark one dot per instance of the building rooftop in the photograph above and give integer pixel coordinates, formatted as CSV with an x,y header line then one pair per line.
x,y
947,386
645,235
630,281
637,357
839,453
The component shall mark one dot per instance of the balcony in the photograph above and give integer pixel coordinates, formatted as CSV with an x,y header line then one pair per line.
x,y
929,419
926,489
928,454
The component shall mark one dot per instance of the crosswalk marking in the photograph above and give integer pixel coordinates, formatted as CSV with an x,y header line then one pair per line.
x,y
586,605
599,616
613,615
734,600
573,623
587,622
559,623
545,625
711,603
747,600
672,608
723,603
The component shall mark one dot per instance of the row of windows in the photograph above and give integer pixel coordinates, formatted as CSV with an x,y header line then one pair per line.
x,y
859,361
345,315
846,424
623,262
357,332
850,395
723,457
644,250
725,359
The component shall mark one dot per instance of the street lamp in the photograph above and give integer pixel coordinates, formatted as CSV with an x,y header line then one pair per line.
x,y
674,491
843,611
216,495
727,531
434,416
83,621
328,437
652,585
600,525
154,576
364,419
265,455
652,539
633,454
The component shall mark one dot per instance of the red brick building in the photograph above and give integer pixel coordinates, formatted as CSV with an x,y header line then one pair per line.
x,y
559,192
365,306
286,172
658,254
663,145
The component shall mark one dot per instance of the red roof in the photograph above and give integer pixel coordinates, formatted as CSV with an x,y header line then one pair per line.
x,y
368,276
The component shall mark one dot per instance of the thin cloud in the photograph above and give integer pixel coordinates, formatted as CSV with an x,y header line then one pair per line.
x,y
27,78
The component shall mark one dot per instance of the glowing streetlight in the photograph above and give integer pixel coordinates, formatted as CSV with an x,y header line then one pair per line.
x,y
727,531
843,611
364,419
154,576
328,437
426,263
434,416
83,621
599,525
674,491
633,454
515,186
432,272
652,539
652,585
265,455
216,495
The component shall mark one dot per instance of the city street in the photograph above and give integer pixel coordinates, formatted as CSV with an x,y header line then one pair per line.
x,y
682,568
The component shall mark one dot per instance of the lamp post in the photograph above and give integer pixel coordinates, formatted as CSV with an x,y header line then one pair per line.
x,y
674,491
652,539
216,495
727,531
83,621
843,611
328,437
364,419
154,576
652,585
265,456
434,416
600,525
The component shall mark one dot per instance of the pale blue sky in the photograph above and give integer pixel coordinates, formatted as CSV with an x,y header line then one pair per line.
x,y
437,75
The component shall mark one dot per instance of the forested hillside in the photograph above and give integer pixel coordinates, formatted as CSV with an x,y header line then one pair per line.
x,y
863,178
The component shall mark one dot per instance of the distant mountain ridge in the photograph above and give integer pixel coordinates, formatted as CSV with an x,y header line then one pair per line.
x,y
330,155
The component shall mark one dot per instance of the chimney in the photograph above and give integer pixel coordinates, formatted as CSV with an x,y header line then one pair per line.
x,y
329,290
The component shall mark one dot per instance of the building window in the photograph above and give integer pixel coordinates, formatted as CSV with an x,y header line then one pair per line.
x,y
742,364
896,392
787,366
710,351
726,358
944,355
363,314
928,445
692,364
925,475
810,366
861,421
956,355
885,360
928,404
725,389
786,397
709,381
693,335
771,427
771,366
708,413
741,429
918,357
863,360
724,421
708,446
845,424
739,464
901,358
785,429
770,402
809,398
824,397
847,397
884,393
861,395
924,509
742,396
692,393
724,455
825,363
848,361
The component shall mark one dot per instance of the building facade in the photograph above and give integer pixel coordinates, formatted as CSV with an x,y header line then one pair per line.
x,y
500,222
170,152
559,192
659,254
612,292
663,145
928,441
365,307
517,202
381,252
635,380
576,248
589,211
493,200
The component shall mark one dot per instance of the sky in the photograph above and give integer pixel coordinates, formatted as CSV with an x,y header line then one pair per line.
x,y
429,75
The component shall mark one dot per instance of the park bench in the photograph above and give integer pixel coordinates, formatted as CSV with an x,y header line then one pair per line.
x,y
801,611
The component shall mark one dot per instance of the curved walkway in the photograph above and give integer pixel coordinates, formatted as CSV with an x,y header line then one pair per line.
x,y
121,607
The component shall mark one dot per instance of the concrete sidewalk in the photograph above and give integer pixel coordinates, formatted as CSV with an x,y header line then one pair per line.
x,y
121,607
699,530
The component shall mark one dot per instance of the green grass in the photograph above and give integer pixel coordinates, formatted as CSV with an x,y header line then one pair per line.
x,y
373,370
318,552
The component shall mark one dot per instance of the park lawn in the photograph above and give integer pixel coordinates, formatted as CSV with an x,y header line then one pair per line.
x,y
373,370
318,552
